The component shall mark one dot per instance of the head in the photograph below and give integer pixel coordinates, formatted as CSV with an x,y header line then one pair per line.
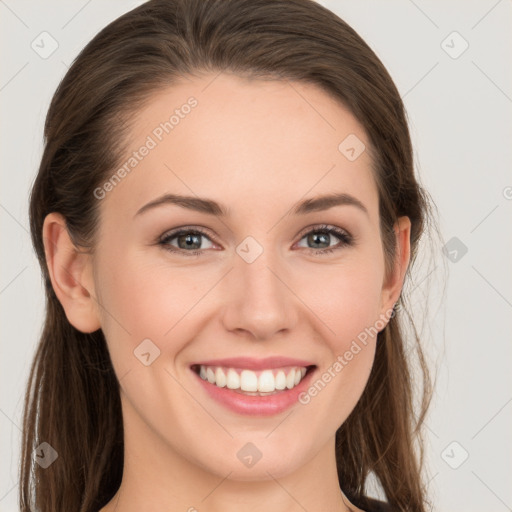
x,y
254,114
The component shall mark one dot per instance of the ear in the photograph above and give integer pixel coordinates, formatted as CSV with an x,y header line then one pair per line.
x,y
393,285
71,274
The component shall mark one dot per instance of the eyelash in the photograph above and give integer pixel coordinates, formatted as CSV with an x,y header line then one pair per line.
x,y
345,239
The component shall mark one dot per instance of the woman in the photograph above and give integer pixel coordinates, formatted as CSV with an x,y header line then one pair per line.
x,y
200,350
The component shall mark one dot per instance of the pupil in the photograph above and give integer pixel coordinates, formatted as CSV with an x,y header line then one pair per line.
x,y
191,240
321,238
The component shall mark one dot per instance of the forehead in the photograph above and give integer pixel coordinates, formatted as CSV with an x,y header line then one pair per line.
x,y
248,144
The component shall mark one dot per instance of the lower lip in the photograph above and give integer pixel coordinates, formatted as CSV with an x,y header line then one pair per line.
x,y
256,405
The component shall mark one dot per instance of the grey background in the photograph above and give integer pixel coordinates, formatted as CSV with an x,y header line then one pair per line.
x,y
460,119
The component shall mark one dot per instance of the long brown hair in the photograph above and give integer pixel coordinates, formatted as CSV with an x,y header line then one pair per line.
x,y
72,400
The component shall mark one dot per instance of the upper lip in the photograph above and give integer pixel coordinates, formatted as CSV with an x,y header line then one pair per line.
x,y
251,363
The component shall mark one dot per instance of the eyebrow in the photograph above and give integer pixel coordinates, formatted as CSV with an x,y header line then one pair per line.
x,y
211,207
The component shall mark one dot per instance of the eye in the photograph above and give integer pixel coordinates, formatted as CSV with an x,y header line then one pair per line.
x,y
322,235
186,239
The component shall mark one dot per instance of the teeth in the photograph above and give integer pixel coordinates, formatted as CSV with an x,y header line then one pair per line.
x,y
248,381
290,379
268,381
220,378
210,375
233,379
281,380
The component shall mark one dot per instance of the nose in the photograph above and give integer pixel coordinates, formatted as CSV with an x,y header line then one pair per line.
x,y
261,302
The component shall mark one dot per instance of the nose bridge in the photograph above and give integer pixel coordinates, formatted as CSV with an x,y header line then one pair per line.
x,y
257,266
259,301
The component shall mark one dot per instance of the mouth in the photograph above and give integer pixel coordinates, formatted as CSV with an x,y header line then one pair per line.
x,y
253,383
263,391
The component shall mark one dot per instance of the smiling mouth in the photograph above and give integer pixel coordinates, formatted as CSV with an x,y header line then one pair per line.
x,y
253,383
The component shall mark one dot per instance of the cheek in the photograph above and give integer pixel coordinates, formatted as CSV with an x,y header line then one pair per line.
x,y
144,300
345,304
345,298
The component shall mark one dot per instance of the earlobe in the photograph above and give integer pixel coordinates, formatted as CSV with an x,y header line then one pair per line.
x,y
70,274
392,289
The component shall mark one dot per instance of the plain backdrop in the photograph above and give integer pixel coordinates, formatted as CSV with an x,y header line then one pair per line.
x,y
451,62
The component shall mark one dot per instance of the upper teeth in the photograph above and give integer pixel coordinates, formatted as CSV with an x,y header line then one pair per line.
x,y
247,380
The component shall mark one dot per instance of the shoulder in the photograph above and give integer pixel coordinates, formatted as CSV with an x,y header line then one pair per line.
x,y
373,505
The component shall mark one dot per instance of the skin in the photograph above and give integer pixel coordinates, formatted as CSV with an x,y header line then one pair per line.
x,y
257,147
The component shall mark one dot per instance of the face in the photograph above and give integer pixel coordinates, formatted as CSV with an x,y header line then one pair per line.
x,y
198,306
